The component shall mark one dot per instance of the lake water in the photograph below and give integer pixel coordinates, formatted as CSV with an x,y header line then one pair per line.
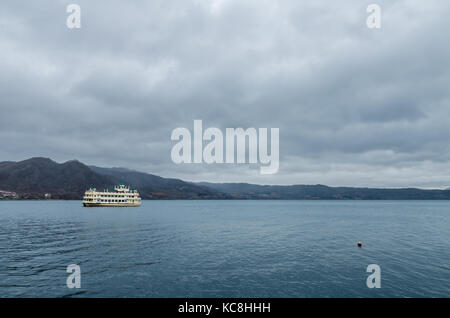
x,y
226,249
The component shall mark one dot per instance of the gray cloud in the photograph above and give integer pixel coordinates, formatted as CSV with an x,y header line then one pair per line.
x,y
354,106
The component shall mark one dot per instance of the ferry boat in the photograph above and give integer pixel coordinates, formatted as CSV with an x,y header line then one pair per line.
x,y
121,197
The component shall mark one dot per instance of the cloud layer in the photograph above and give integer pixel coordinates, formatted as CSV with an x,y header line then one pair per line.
x,y
355,106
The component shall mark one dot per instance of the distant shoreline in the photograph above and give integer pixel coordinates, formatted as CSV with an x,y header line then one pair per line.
x,y
44,179
237,199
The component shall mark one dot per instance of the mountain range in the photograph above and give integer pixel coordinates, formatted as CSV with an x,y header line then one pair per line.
x,y
34,178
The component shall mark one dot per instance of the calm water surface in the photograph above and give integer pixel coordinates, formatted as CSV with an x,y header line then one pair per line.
x,y
226,248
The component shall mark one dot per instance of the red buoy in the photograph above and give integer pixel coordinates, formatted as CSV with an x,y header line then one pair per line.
x,y
359,244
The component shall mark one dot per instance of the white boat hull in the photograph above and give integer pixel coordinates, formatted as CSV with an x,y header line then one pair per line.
x,y
107,204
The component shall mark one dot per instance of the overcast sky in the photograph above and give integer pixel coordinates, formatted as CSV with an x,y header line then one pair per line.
x,y
355,106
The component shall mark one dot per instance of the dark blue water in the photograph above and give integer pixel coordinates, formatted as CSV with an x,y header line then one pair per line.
x,y
226,248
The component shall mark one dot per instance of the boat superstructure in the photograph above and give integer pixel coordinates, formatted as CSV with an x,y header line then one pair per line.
x,y
122,196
